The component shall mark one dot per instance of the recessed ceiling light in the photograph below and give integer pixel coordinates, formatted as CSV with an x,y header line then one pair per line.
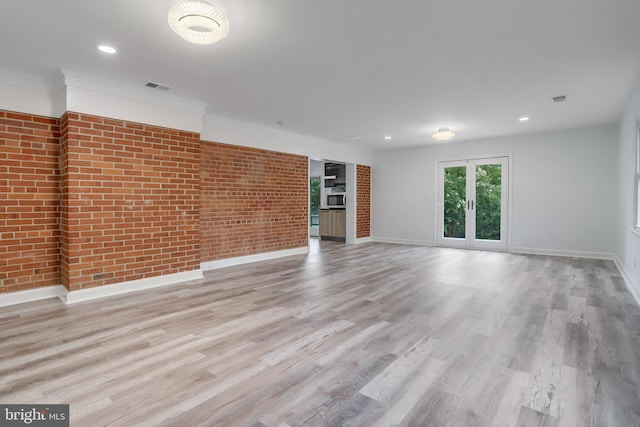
x,y
523,119
387,137
106,49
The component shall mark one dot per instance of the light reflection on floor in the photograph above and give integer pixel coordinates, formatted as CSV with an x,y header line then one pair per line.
x,y
314,245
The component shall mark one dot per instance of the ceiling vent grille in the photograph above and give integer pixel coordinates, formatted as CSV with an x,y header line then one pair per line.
x,y
158,86
559,98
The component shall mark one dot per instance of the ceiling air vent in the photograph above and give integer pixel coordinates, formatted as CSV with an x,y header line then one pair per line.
x,y
559,98
157,86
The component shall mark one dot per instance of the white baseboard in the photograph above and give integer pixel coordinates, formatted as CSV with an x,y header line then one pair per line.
x,y
228,262
631,285
559,252
132,286
363,240
67,297
29,295
402,241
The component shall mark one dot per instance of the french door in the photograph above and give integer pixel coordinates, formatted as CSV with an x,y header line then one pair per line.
x,y
472,203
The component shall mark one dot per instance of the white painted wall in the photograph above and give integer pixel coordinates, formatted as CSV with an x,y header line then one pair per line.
x,y
628,242
350,205
561,186
316,168
74,92
230,131
142,105
21,94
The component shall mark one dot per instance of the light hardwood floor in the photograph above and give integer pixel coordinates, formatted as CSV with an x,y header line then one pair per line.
x,y
371,335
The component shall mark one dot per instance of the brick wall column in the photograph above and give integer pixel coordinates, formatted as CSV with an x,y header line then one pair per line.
x,y
363,201
130,201
64,201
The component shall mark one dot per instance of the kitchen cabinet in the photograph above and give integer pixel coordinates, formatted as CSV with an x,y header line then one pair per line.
x,y
333,224
335,174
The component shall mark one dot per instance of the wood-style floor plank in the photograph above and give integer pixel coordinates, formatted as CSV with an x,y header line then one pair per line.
x,y
348,335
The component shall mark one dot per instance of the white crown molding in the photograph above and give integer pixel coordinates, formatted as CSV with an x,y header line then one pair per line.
x,y
81,94
69,90
27,94
25,82
142,94
229,262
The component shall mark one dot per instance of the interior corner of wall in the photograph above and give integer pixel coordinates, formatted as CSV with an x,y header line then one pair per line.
x,y
632,285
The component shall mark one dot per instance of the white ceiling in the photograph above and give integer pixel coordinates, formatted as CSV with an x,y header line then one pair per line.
x,y
355,68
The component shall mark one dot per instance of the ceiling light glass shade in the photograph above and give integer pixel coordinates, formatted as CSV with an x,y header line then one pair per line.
x,y
198,22
443,134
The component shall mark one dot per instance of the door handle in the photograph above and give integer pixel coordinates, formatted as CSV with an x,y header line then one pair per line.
x,y
472,205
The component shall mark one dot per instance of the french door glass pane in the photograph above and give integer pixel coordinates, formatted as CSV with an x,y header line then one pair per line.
x,y
488,201
455,199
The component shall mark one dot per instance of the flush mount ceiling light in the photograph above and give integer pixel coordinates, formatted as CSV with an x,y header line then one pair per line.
x,y
443,134
198,22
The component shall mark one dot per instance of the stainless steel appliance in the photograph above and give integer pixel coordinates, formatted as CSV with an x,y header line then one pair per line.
x,y
336,200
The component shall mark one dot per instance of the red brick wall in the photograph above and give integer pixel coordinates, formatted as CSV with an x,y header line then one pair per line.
x,y
64,201
253,201
29,179
130,206
363,201
89,201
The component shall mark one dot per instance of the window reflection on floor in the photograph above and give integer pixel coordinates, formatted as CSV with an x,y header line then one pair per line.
x,y
314,245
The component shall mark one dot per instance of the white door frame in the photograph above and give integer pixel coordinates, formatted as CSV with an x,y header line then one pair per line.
x,y
470,241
